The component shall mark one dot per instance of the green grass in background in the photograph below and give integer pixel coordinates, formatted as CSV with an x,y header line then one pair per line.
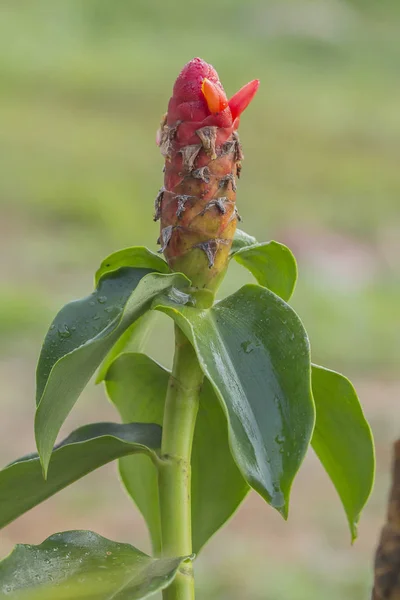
x,y
84,84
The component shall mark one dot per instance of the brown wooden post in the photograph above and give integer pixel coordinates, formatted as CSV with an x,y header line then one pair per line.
x,y
387,558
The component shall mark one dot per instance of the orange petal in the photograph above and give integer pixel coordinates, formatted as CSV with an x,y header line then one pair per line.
x,y
243,97
214,96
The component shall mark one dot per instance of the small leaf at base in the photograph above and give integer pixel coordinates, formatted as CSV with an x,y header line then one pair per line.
x,y
84,565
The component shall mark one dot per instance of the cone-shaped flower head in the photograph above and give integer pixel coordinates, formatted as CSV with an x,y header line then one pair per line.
x,y
198,138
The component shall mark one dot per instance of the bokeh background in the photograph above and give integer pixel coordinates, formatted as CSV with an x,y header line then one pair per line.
x,y
83,86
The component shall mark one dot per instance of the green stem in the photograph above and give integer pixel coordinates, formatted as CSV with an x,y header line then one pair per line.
x,y
180,413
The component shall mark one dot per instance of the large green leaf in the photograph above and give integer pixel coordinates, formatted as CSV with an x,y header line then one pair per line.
x,y
343,441
272,264
254,350
22,485
137,385
86,566
81,336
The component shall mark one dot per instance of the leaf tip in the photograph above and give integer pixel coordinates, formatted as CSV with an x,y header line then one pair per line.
x,y
44,463
283,511
353,531
44,455
280,502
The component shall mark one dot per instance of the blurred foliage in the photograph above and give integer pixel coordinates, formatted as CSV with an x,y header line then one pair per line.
x,y
84,84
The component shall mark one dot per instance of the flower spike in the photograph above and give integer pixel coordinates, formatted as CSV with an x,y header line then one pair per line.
x,y
203,159
240,101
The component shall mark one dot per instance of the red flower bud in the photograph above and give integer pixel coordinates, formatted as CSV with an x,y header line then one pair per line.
x,y
202,160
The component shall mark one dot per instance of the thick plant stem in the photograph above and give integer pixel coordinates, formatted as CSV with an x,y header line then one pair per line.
x,y
180,413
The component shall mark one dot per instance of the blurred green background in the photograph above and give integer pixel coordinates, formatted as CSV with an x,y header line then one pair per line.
x,y
83,86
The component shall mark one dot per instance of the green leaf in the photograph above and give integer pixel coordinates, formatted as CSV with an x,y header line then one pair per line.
x,y
137,256
254,350
84,565
133,340
137,385
272,264
343,441
81,336
242,240
22,485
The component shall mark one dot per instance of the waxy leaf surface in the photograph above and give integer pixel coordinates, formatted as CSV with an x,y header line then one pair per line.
x,y
81,336
137,385
343,441
22,485
137,256
272,264
254,350
84,565
133,340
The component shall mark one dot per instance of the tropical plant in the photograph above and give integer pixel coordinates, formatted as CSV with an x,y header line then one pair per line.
x,y
239,409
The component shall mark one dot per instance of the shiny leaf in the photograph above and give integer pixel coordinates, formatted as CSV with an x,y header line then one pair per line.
x,y
137,256
84,565
254,350
22,485
81,336
343,441
272,264
137,385
133,340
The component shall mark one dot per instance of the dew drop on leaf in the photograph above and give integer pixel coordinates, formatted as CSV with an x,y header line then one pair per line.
x,y
63,331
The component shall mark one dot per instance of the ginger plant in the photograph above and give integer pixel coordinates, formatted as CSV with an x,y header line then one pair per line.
x,y
239,410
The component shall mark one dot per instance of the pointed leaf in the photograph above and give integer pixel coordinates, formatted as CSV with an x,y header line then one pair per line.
x,y
84,565
343,441
22,485
272,264
137,256
81,336
254,350
137,385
